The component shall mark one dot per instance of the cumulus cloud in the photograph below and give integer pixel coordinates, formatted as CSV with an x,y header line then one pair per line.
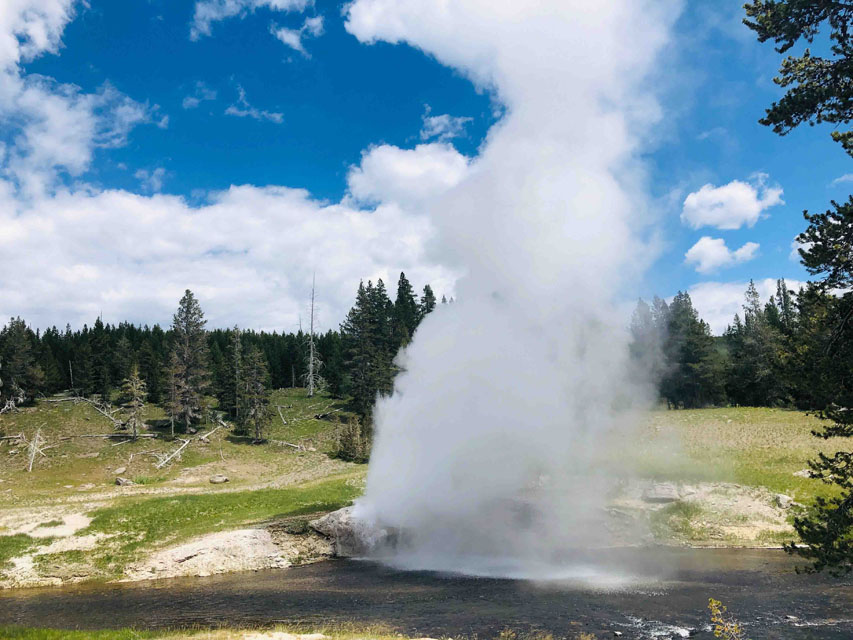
x,y
718,302
408,177
443,127
312,27
242,109
55,128
202,93
730,206
29,28
249,254
710,254
209,11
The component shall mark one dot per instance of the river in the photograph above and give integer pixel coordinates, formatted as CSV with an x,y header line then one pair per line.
x,y
663,595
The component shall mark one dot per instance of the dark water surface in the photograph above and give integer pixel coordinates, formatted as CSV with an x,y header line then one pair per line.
x,y
666,599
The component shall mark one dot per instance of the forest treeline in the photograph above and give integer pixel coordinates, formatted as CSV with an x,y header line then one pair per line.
x,y
185,362
772,354
769,355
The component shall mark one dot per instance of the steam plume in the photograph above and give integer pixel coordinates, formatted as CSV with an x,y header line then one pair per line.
x,y
488,453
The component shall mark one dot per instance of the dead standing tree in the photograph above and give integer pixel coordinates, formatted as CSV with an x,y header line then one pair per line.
x,y
313,380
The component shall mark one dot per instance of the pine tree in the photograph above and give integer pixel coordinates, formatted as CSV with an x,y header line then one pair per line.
x,y
189,347
123,359
406,312
173,391
101,380
755,347
647,343
133,389
427,304
360,351
151,371
232,378
20,376
254,400
695,368
827,529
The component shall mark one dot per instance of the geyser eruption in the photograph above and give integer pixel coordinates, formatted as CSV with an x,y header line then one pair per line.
x,y
491,454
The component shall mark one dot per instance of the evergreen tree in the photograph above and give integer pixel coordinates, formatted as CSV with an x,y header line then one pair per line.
x,y
647,341
755,348
123,359
827,529
360,351
233,367
427,304
81,367
696,369
818,89
133,389
101,380
174,379
20,376
254,399
189,346
406,312
151,371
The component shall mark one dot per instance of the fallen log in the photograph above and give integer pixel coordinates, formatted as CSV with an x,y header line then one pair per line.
x,y
166,460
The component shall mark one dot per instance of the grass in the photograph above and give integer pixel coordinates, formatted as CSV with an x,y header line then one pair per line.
x,y
12,546
676,519
745,445
140,523
76,464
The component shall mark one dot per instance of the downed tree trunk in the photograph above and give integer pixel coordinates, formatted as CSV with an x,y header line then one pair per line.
x,y
165,460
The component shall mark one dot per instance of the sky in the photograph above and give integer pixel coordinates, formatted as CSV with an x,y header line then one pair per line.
x,y
240,148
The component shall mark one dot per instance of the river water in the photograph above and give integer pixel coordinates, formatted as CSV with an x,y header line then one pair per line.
x,y
642,593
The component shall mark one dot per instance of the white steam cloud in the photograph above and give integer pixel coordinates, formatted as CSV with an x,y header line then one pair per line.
x,y
489,447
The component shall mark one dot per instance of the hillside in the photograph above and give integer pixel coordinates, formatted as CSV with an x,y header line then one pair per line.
x,y
69,520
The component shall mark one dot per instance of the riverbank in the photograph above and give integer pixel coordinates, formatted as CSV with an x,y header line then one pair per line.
x,y
708,478
642,593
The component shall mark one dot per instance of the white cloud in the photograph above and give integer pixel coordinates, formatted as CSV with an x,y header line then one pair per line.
x,y
847,177
202,93
312,27
242,109
249,255
718,302
443,127
406,176
710,254
730,206
209,11
29,28
151,181
57,128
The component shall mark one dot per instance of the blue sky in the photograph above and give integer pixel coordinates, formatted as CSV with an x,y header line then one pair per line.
x,y
170,110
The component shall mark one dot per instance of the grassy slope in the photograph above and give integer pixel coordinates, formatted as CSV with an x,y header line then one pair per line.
x,y
70,465
177,502
745,445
